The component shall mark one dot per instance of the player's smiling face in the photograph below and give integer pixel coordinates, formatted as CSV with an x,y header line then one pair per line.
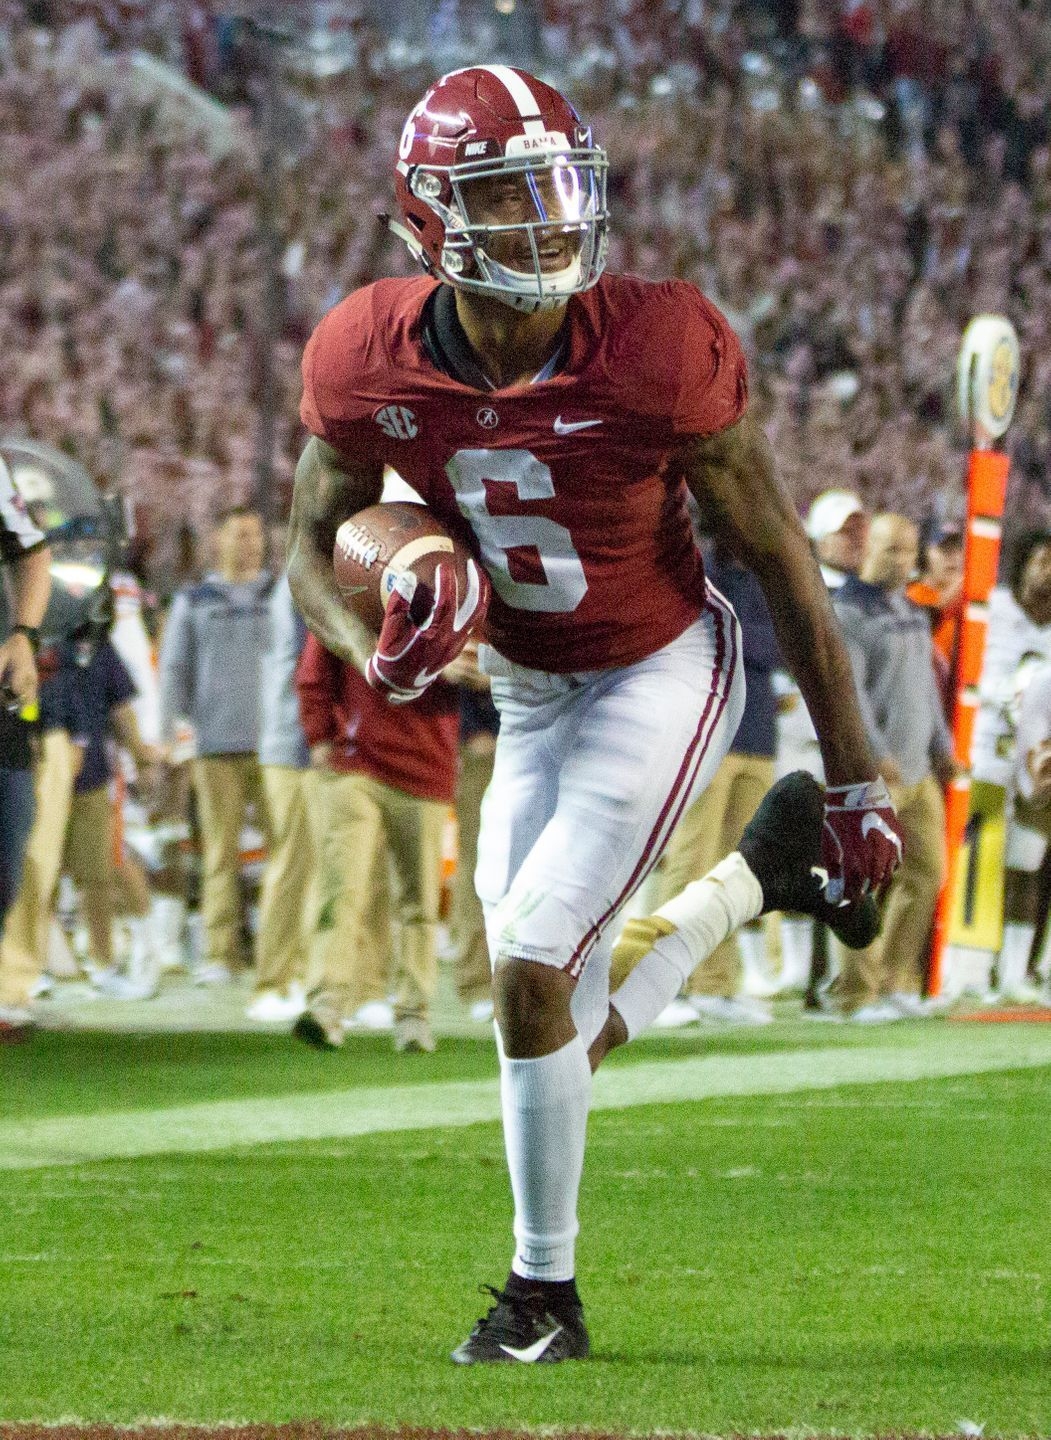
x,y
549,199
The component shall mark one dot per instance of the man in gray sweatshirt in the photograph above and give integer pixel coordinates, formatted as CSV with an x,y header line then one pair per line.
x,y
889,641
210,675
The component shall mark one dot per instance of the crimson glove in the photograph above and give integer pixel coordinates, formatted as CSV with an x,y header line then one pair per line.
x,y
414,648
860,840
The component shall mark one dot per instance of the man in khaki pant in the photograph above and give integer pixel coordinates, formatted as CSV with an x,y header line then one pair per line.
x,y
287,899
210,673
889,641
386,777
90,692
23,948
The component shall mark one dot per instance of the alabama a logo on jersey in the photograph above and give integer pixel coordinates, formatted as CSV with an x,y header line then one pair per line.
x,y
397,422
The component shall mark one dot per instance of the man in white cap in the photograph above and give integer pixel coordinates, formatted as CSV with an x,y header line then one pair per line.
x,y
838,525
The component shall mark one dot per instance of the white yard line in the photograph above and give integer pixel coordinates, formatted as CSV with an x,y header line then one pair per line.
x,y
222,1124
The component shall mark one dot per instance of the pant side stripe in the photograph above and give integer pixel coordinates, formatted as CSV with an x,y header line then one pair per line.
x,y
679,794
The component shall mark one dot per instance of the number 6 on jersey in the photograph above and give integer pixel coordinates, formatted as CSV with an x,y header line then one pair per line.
x,y
564,584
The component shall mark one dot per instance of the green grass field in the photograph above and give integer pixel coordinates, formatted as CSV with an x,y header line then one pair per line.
x,y
783,1250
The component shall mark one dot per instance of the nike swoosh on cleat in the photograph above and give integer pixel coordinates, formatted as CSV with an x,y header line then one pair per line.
x,y
819,874
532,1352
566,427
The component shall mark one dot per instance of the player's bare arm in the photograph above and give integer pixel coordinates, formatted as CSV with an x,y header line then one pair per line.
x,y
327,492
731,475
30,586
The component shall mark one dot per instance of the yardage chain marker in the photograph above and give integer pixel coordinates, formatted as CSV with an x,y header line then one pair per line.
x,y
226,1124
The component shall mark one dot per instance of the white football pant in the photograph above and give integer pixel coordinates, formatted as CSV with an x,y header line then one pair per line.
x,y
592,773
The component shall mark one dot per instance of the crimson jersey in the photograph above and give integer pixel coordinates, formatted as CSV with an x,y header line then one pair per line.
x,y
565,483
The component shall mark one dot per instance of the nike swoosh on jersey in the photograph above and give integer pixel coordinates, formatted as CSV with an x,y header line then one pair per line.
x,y
566,427
532,1352
872,821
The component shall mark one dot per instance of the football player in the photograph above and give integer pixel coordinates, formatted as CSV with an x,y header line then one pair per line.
x,y
556,416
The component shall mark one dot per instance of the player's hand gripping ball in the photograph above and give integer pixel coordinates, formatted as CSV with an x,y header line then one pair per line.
x,y
416,587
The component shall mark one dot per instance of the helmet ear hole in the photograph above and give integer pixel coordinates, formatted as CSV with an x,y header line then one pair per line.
x,y
418,222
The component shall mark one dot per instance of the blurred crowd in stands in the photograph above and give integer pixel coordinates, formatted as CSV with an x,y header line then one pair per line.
x,y
220,798
851,180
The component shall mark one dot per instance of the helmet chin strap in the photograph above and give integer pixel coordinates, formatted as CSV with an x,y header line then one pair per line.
x,y
404,233
527,298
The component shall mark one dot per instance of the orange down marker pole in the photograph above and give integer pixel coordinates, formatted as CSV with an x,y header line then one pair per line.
x,y
987,382
986,491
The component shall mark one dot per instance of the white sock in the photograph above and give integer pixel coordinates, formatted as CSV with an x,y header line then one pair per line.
x,y
168,916
752,944
654,983
797,944
703,914
545,1108
710,909
755,977
143,966
1014,955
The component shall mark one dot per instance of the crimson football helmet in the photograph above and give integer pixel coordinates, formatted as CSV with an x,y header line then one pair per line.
x,y
501,189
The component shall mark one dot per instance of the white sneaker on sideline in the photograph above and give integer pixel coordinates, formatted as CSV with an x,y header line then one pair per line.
x,y
1022,992
41,986
15,1016
675,1015
116,986
915,1007
276,1007
482,1012
908,1006
731,1010
414,1036
214,972
879,1012
376,1015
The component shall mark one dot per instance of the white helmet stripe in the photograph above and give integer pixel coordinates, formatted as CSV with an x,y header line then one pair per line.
x,y
521,94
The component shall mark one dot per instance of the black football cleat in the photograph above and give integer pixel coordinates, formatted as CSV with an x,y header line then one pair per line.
x,y
521,1328
782,846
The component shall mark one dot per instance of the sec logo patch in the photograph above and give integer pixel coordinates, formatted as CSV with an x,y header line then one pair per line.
x,y
397,421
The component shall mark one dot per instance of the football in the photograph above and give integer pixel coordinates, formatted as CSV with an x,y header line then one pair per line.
x,y
376,546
